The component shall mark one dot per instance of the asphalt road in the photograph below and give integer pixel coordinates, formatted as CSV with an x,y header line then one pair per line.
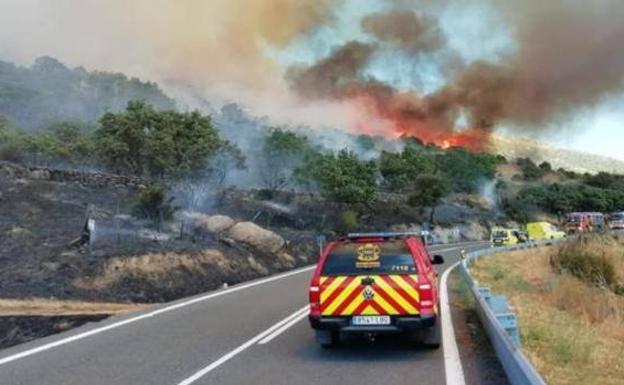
x,y
255,333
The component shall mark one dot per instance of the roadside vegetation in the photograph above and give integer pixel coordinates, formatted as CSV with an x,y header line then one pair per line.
x,y
540,189
570,307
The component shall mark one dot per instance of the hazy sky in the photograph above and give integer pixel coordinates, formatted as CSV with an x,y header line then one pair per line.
x,y
241,50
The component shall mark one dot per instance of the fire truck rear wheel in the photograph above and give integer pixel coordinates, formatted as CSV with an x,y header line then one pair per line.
x,y
431,337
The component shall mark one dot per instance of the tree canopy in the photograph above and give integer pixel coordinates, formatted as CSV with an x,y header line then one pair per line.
x,y
341,177
157,144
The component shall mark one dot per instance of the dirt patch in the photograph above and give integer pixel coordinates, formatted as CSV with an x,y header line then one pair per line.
x,y
47,307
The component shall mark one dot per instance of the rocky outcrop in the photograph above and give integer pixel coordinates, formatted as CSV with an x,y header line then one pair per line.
x,y
215,223
253,235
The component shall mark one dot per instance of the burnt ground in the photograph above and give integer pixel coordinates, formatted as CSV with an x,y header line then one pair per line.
x,y
38,221
479,361
17,330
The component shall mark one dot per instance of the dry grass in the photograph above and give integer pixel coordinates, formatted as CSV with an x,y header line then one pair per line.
x,y
153,266
46,307
572,332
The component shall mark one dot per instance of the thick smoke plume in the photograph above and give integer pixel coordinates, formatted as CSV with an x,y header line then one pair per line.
x,y
570,54
567,54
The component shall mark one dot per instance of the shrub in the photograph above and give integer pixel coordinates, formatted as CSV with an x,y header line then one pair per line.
x,y
347,221
581,262
152,204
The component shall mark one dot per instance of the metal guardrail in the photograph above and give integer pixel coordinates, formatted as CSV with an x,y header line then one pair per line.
x,y
500,322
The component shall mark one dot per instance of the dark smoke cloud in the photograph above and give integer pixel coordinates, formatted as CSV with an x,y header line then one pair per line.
x,y
331,76
570,55
410,30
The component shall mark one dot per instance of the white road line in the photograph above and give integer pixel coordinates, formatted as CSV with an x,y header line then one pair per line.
x,y
281,330
452,363
241,348
162,310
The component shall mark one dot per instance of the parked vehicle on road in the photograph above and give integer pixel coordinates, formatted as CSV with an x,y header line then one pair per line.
x,y
544,230
500,236
368,284
583,222
616,221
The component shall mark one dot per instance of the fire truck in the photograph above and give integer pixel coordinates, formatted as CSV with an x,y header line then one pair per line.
x,y
584,222
375,283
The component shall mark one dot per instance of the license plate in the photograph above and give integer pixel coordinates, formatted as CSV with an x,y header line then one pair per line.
x,y
370,320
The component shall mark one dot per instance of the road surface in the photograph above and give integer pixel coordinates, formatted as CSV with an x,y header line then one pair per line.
x,y
253,333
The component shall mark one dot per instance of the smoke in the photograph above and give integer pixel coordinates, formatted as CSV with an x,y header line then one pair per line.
x,y
409,30
317,62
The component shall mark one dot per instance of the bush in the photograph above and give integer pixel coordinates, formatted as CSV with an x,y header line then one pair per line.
x,y
348,221
152,204
581,262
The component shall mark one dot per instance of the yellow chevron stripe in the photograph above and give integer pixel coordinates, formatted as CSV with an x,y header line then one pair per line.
x,y
326,292
369,310
353,305
342,296
395,296
385,305
411,291
322,280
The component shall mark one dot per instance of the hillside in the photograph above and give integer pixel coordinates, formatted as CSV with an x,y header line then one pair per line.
x,y
48,91
582,162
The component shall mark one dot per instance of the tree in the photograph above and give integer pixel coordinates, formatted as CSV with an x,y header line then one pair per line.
x,y
157,144
400,170
75,141
465,170
341,177
530,171
429,190
282,153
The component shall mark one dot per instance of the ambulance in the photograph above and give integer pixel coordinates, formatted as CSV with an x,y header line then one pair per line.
x,y
369,284
544,230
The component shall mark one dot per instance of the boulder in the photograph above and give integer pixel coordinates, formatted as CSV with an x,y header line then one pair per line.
x,y
39,174
286,260
257,266
255,236
216,223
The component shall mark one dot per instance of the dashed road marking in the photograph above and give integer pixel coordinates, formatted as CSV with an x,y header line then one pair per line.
x,y
228,356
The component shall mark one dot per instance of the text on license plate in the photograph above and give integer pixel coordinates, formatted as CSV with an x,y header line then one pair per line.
x,y
371,320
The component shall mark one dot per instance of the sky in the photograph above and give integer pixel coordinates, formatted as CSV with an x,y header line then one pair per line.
x,y
245,51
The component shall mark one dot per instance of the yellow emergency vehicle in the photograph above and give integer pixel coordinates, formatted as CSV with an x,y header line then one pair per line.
x,y
506,237
544,230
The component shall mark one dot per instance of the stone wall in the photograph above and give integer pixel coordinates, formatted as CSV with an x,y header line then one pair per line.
x,y
87,178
